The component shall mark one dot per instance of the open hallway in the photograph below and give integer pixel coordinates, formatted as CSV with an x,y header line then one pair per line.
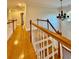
x,y
39,29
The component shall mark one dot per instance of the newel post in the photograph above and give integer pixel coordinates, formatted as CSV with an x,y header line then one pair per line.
x,y
59,48
22,21
30,30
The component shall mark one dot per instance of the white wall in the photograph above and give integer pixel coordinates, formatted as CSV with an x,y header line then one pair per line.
x,y
34,12
66,26
66,29
66,54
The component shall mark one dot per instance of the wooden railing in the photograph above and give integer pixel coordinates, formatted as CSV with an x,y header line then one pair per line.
x,y
61,39
12,21
65,41
11,24
48,23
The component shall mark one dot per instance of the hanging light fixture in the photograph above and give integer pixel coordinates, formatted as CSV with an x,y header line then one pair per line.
x,y
62,15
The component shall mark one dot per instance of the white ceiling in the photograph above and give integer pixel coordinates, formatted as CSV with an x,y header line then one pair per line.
x,y
42,3
49,3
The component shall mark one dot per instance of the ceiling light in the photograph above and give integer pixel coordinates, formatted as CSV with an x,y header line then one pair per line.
x,y
62,15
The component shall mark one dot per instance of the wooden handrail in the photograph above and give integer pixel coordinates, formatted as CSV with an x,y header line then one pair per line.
x,y
41,20
63,40
11,21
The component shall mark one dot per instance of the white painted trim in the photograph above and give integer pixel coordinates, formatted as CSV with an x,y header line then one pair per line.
x,y
66,48
44,47
61,53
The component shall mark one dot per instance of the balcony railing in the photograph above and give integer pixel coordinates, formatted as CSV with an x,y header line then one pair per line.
x,y
11,24
46,43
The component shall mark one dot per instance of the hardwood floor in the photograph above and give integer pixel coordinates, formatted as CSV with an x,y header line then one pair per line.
x,y
19,45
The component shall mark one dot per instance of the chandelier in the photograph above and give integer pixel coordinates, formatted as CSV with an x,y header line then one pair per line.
x,y
62,15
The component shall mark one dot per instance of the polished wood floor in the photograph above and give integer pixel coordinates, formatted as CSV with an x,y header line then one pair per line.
x,y
19,45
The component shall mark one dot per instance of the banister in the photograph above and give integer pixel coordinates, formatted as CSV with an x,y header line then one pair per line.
x,y
63,40
12,21
22,21
41,20
49,23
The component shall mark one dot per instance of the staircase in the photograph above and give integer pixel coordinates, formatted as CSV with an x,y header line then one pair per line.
x,y
42,43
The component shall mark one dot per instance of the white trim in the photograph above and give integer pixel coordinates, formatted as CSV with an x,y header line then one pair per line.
x,y
37,42
44,47
61,53
38,50
66,48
